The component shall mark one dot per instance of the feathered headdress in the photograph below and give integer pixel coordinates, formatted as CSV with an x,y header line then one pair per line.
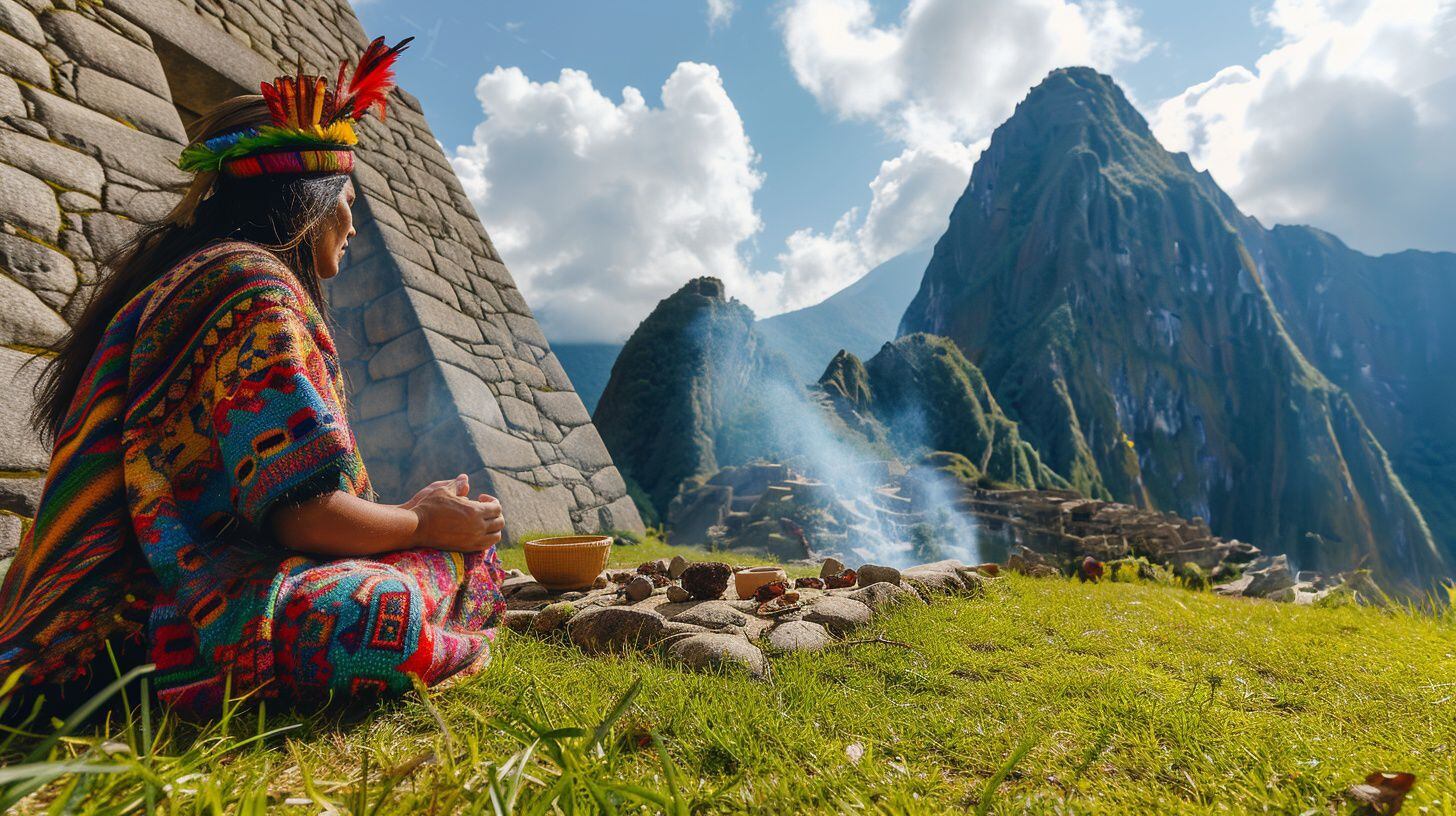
x,y
313,125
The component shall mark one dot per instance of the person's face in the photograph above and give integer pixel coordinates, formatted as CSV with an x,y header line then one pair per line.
x,y
334,234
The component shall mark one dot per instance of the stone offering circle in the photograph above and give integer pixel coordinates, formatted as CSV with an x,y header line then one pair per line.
x,y
630,611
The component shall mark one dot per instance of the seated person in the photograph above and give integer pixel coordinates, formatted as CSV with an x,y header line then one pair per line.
x,y
206,508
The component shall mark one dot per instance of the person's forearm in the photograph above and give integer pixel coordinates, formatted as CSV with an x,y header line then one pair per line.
x,y
340,525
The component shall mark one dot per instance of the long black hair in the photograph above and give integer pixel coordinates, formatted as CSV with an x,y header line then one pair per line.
x,y
280,213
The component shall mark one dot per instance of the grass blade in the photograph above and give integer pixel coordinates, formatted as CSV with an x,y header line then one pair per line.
x,y
989,792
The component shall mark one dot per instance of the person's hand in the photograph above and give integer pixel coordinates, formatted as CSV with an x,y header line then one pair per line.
x,y
449,520
458,486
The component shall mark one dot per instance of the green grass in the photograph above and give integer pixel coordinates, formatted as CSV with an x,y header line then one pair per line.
x,y
1045,696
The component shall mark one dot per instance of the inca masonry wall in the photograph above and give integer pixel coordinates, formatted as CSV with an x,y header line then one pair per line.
x,y
448,371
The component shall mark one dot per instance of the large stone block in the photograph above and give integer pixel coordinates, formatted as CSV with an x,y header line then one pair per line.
x,y
17,20
607,483
441,390
389,317
37,266
106,232
521,415
379,398
25,320
505,450
386,437
21,494
11,102
28,203
118,147
61,165
563,408
127,102
94,45
584,448
20,448
443,318
142,206
23,62
620,516
527,508
11,528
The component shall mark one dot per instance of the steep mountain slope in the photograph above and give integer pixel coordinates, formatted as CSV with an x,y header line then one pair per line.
x,y
1381,329
1120,318
928,397
685,382
589,365
858,318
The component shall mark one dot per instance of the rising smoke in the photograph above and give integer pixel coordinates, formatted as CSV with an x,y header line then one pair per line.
x,y
767,416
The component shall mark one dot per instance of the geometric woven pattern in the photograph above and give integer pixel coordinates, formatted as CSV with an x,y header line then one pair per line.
x,y
215,396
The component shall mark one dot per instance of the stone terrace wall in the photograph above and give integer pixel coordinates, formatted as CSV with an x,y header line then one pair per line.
x,y
448,371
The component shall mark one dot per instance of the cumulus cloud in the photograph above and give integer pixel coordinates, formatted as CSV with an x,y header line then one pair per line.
x,y
937,80
910,202
1346,125
720,12
601,208
947,69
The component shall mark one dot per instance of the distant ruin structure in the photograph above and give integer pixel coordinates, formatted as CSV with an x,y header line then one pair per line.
x,y
448,371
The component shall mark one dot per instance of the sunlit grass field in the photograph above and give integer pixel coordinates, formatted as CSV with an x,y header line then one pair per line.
x,y
1045,696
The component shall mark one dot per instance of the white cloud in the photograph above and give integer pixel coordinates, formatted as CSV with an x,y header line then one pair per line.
x,y
1346,125
603,208
947,69
720,12
910,202
937,80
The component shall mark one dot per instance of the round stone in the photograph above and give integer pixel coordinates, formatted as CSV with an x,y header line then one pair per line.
x,y
676,594
882,595
605,629
934,579
875,573
838,614
712,614
639,589
713,651
519,620
676,567
799,636
831,566
553,617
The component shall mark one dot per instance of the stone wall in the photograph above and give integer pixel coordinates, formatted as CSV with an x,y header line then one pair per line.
x,y
448,371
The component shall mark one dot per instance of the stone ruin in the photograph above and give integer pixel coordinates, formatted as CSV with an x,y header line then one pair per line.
x,y
1066,528
447,369
773,508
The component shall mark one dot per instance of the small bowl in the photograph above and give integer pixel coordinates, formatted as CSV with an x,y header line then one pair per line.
x,y
567,562
748,580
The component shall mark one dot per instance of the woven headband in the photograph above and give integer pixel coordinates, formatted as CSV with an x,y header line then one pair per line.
x,y
313,125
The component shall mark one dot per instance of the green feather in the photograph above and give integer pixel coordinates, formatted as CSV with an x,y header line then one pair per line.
x,y
198,158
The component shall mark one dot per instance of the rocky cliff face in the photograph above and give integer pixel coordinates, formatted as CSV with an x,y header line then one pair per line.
x,y
926,396
681,389
1118,314
1381,330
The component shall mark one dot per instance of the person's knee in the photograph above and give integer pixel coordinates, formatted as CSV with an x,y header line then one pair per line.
x,y
396,613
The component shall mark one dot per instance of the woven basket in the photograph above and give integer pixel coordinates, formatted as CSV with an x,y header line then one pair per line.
x,y
567,562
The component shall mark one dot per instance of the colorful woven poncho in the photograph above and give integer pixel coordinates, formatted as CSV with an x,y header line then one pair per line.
x,y
215,396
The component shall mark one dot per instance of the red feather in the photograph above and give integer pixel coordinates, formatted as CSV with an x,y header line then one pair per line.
x,y
371,81
275,103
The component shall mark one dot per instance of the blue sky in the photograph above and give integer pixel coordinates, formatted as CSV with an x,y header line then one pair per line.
x,y
805,119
